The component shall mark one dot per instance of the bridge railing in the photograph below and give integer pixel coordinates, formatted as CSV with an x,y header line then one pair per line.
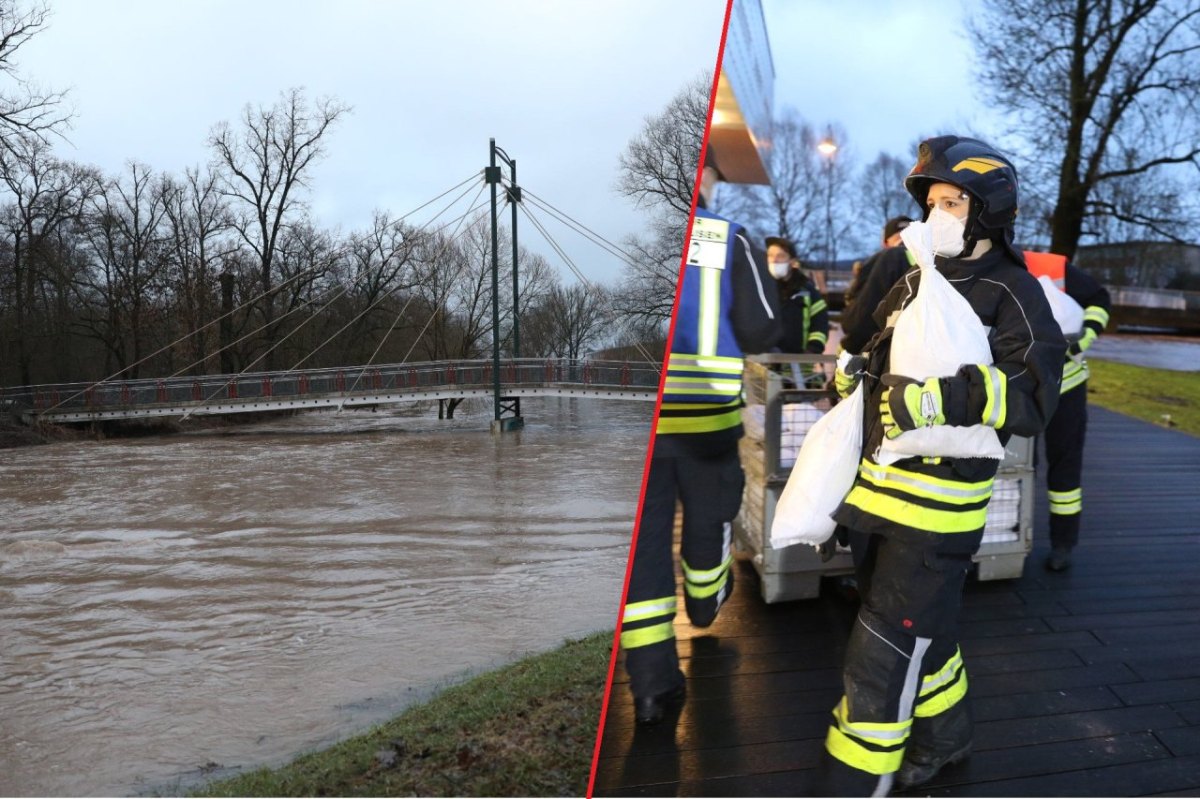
x,y
351,381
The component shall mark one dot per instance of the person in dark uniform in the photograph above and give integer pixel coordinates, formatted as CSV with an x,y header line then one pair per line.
x,y
914,524
804,314
726,306
876,276
1065,434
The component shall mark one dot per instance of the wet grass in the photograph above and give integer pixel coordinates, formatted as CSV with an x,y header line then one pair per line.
x,y
1161,396
524,730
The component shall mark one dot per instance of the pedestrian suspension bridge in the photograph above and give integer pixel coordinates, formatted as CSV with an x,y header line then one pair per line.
x,y
188,392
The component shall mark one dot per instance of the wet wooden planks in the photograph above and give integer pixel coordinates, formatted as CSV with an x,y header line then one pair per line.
x,y
1085,683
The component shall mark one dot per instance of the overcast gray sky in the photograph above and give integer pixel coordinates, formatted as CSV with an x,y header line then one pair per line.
x,y
887,70
561,86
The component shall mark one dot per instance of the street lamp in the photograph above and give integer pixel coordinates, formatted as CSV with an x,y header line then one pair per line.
x,y
828,148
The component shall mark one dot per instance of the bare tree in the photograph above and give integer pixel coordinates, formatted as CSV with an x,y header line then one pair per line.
x,y
264,164
570,320
25,111
1102,90
47,194
658,167
646,295
882,187
126,239
196,220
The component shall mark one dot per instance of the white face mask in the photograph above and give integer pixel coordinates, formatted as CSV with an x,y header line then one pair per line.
x,y
779,269
948,232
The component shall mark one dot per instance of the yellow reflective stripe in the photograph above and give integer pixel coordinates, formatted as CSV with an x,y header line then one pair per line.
x,y
845,737
1065,496
704,575
702,385
943,675
712,407
704,363
978,164
942,702
817,335
650,608
632,639
881,733
705,591
698,424
1066,503
710,310
1074,374
921,485
817,307
995,385
913,515
854,755
1094,313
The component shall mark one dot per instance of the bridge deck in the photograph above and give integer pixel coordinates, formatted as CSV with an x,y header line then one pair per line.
x,y
1085,683
332,387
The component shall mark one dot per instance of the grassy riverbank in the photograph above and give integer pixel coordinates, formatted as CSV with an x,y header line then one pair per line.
x,y
524,730
1155,395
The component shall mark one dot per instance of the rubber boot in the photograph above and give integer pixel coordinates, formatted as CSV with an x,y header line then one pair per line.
x,y
703,612
936,742
1059,559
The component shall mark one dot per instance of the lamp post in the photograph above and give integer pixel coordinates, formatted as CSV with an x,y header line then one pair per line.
x,y
828,148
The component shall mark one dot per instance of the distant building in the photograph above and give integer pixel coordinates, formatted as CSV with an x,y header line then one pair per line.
x,y
745,98
1143,264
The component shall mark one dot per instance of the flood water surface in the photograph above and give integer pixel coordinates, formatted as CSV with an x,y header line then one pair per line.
x,y
171,606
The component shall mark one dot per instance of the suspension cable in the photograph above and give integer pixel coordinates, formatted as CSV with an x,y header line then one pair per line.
x,y
583,278
296,329
303,305
243,306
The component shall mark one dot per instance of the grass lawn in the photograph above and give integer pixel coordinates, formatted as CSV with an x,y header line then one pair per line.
x,y
1156,395
524,730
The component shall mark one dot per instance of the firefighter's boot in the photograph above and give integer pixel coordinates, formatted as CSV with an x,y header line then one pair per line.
x,y
936,742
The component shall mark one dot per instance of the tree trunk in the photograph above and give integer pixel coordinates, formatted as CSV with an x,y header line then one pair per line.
x,y
226,323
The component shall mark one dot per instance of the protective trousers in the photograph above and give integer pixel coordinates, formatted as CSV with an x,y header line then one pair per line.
x,y
1064,466
710,490
904,678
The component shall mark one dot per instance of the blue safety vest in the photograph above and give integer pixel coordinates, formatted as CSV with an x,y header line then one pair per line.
x,y
703,385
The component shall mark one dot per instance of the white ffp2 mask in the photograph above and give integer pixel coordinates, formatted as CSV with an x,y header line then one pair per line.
x,y
948,232
779,269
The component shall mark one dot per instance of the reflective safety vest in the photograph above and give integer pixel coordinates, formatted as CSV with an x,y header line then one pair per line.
x,y
703,388
1048,264
1075,371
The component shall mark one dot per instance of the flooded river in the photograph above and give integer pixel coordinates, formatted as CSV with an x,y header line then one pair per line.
x,y
182,605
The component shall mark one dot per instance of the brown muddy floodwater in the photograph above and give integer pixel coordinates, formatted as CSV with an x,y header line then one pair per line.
x,y
176,607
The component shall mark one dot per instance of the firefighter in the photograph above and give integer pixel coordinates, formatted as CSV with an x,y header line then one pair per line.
x,y
803,312
1065,434
878,274
725,307
915,524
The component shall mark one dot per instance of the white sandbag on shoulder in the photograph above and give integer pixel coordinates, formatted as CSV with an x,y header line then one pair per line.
x,y
1067,312
823,474
935,335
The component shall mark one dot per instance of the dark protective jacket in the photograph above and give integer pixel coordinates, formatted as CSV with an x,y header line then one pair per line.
x,y
726,306
1096,303
876,277
942,502
803,313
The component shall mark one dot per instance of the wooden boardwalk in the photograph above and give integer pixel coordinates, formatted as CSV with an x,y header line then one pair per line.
x,y
1084,683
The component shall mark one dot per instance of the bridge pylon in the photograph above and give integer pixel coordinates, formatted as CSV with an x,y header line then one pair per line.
x,y
501,404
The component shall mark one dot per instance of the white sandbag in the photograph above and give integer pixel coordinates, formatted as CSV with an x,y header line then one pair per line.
x,y
822,476
934,336
1067,312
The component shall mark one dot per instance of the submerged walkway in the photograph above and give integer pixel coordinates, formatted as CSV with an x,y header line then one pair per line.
x,y
1085,683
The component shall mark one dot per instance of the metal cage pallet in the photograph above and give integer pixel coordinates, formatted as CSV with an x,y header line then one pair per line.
x,y
779,411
